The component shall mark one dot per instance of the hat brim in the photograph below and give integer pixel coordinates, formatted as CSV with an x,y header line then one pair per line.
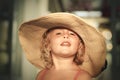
x,y
30,35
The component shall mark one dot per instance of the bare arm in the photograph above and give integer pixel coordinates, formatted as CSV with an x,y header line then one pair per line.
x,y
40,75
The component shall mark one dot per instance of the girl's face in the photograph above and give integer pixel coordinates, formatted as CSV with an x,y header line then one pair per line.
x,y
63,42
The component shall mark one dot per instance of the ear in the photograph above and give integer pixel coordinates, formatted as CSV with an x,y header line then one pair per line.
x,y
81,46
80,50
80,54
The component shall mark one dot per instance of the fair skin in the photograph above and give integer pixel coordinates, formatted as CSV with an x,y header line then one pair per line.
x,y
63,46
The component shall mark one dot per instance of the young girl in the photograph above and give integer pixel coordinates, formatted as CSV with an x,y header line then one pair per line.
x,y
64,46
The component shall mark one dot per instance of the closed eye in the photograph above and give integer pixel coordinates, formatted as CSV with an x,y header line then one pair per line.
x,y
58,33
71,33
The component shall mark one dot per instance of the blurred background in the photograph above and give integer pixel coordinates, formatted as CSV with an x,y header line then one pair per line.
x,y
104,15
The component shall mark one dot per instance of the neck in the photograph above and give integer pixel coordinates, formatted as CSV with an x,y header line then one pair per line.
x,y
62,63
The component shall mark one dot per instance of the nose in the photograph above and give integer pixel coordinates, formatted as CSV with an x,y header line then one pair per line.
x,y
66,35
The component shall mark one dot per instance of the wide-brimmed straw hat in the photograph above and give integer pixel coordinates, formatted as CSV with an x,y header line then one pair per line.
x,y
30,35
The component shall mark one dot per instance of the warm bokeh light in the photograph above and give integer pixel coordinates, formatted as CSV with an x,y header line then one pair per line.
x,y
109,46
107,34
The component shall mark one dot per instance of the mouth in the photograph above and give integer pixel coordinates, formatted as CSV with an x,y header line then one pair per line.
x,y
65,43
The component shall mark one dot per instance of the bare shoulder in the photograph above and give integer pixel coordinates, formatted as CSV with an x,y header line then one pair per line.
x,y
40,75
83,75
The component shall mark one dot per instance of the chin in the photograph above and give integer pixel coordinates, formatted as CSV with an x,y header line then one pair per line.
x,y
67,55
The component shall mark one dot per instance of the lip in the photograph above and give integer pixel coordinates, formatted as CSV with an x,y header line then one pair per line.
x,y
65,43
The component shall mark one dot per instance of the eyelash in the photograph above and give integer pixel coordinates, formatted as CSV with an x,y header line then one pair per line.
x,y
69,33
72,33
58,33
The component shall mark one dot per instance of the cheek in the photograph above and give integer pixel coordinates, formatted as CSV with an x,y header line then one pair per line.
x,y
77,45
53,43
76,42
